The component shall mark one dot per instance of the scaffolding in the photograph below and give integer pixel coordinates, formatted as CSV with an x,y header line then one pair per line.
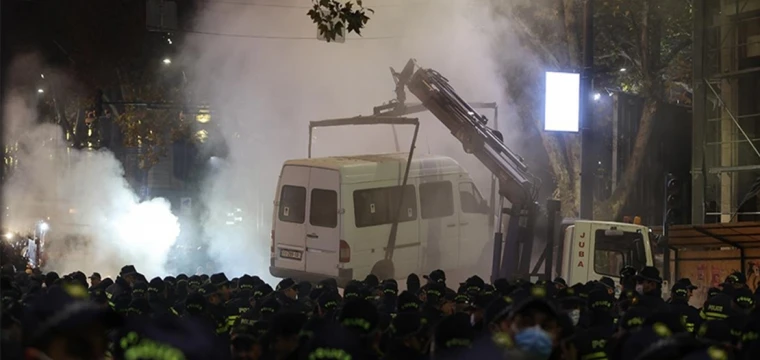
x,y
726,116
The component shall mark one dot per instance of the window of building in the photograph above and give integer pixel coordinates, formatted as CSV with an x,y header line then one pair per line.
x,y
378,206
472,202
292,204
323,210
436,199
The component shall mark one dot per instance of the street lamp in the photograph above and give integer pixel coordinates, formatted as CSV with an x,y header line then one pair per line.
x,y
40,91
167,61
597,96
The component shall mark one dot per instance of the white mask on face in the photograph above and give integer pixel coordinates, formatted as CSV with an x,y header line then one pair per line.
x,y
640,289
575,316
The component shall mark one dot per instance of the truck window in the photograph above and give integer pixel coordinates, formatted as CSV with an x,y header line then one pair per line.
x,y
324,208
377,206
612,253
292,204
472,202
436,199
608,262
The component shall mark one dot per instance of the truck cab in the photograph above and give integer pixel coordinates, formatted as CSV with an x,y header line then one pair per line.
x,y
589,250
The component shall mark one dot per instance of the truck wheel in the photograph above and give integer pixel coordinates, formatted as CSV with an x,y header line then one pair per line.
x,y
383,269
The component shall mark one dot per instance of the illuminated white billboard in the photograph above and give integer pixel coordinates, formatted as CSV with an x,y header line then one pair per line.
x,y
562,102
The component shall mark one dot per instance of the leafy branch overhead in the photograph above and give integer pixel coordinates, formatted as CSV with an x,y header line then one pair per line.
x,y
335,19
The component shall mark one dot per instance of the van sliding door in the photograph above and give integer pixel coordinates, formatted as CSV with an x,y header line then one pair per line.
x,y
324,222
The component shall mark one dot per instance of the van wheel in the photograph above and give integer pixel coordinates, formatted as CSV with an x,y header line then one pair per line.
x,y
384,270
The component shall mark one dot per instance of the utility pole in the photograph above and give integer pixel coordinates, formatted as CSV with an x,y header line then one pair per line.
x,y
2,109
587,114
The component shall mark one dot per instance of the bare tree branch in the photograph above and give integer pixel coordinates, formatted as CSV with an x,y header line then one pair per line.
x,y
681,46
528,35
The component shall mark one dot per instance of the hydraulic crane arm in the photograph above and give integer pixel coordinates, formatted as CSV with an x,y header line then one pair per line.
x,y
516,183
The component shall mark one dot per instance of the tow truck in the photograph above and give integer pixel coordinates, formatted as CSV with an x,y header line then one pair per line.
x,y
577,250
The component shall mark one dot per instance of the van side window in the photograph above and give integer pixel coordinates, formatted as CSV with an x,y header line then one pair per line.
x,y
436,199
378,206
292,207
472,202
323,211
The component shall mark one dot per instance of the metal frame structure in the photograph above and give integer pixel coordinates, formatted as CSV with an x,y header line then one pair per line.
x,y
725,137
378,120
740,236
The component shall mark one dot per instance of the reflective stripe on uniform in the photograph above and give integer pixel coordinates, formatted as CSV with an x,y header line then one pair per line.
x,y
599,355
222,329
231,320
709,315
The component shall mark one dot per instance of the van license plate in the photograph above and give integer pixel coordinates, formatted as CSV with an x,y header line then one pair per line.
x,y
291,254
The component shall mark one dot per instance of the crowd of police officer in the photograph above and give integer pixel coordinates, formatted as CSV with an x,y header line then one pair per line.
x,y
45,316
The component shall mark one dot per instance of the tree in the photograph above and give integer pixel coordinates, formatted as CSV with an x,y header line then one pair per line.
x,y
333,17
641,47
119,73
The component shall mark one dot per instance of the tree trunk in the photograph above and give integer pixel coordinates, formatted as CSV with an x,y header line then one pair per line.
x,y
571,33
611,208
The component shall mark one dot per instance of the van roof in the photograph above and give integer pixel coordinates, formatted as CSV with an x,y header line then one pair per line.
x,y
360,168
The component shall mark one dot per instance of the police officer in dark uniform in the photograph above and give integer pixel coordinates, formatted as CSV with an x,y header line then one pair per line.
x,y
222,285
438,277
689,286
215,308
157,298
287,295
592,342
240,304
679,303
648,284
718,307
571,304
434,308
735,281
406,342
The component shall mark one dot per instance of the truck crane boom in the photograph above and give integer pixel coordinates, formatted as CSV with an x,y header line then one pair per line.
x,y
513,256
516,183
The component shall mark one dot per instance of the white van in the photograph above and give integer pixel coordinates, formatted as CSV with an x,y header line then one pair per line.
x,y
332,218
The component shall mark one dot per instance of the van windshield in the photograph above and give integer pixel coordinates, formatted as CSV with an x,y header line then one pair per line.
x,y
613,252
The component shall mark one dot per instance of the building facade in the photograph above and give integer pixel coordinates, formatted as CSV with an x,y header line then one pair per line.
x,y
725,162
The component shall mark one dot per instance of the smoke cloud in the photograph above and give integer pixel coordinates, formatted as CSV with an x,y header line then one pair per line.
x,y
96,222
266,90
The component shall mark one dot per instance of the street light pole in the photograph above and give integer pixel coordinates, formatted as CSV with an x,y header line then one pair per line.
x,y
2,110
587,114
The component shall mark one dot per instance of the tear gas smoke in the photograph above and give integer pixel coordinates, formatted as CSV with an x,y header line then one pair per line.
x,y
266,90
97,223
